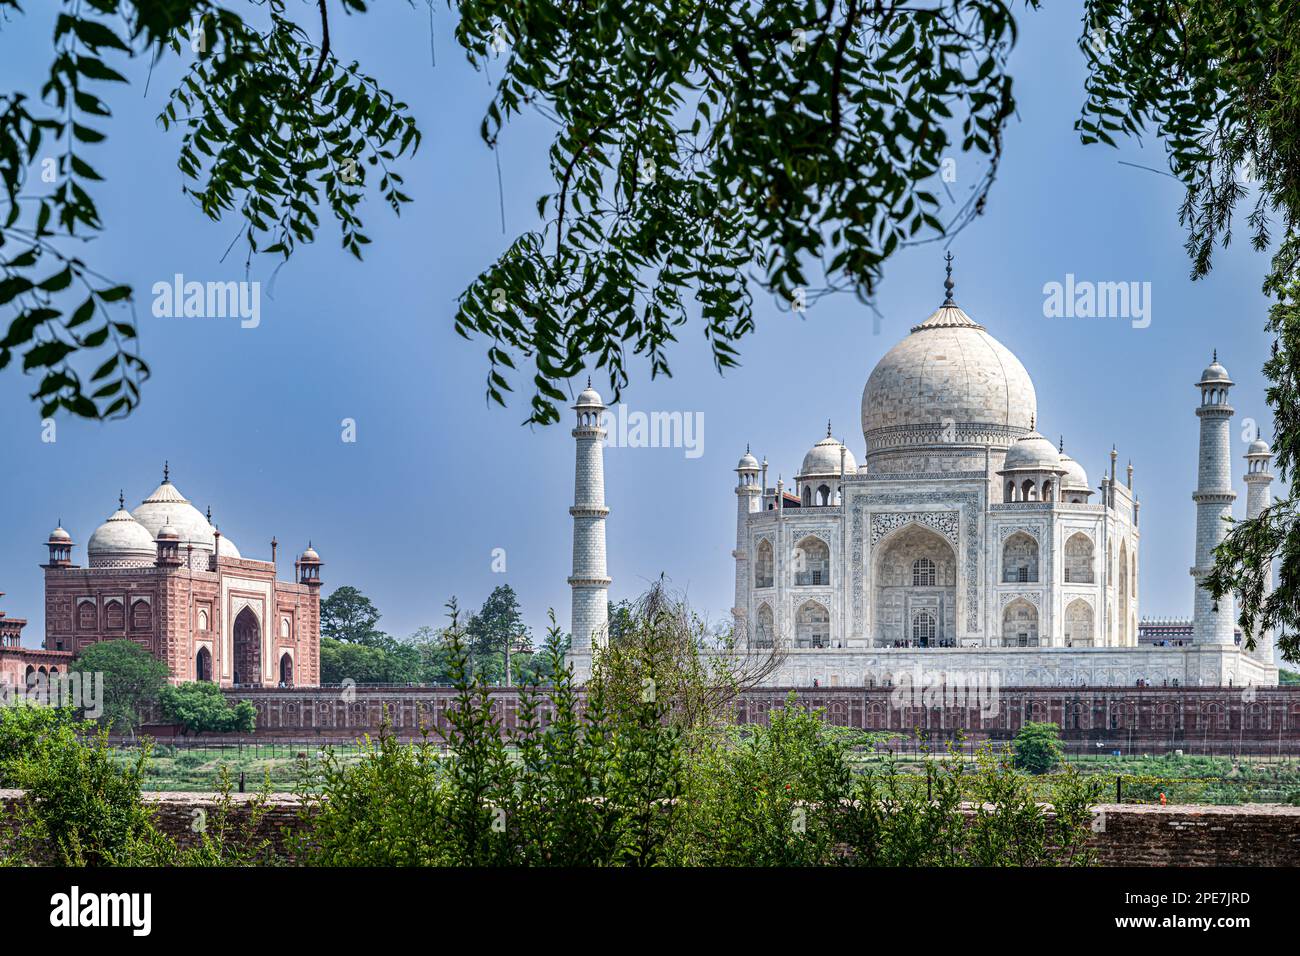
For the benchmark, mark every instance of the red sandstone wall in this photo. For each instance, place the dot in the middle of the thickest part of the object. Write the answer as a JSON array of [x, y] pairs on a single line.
[[1155, 719]]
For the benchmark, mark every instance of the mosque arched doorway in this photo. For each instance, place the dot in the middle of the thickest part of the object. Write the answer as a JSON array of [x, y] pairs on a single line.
[[203, 665], [812, 626], [765, 632], [1020, 624], [248, 648], [914, 573], [812, 562], [286, 670], [1078, 624]]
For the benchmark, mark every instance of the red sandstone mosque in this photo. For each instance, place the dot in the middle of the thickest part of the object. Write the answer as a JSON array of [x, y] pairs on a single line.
[[164, 576]]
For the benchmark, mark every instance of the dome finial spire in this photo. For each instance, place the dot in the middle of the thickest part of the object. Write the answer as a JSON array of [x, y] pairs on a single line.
[[121, 500], [948, 283], [1060, 448], [1033, 420], [828, 428], [167, 472]]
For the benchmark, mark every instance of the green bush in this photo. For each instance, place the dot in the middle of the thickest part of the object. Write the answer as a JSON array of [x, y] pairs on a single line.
[[595, 788], [200, 707], [188, 760], [22, 727], [1037, 747], [83, 805]]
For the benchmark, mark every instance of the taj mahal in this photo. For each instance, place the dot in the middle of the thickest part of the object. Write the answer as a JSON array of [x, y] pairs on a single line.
[[965, 540]]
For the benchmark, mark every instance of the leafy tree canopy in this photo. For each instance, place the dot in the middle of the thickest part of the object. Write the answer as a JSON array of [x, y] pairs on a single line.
[[348, 615], [132, 680], [272, 126], [200, 707]]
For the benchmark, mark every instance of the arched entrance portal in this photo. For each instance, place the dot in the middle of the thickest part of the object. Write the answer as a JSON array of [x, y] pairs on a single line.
[[286, 671], [203, 665], [914, 570], [248, 648]]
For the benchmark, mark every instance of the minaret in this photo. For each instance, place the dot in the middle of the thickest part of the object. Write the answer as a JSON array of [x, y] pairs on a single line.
[[590, 583], [1212, 621], [748, 501], [1259, 495]]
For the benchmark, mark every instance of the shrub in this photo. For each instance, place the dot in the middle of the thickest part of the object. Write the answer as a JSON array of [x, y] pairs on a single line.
[[200, 707], [623, 775], [595, 787], [1037, 747], [22, 727], [83, 805]]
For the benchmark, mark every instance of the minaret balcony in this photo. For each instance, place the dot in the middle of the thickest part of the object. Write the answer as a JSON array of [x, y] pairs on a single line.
[[590, 582]]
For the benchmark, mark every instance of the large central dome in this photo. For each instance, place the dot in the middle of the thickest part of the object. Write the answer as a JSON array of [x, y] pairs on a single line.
[[949, 382]]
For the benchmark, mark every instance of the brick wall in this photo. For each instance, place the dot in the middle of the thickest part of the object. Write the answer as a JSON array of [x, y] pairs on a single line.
[[1126, 835], [1152, 719]]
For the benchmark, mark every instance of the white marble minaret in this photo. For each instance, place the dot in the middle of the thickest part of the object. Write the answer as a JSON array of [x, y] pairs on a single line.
[[1259, 495], [748, 500], [1212, 622], [589, 581]]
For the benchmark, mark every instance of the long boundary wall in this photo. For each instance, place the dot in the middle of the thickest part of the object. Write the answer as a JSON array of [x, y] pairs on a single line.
[[1218, 719]]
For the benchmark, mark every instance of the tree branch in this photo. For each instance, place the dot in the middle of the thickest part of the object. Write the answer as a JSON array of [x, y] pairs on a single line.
[[324, 45]]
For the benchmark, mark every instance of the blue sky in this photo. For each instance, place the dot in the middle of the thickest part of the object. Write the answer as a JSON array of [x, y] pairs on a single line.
[[410, 513]]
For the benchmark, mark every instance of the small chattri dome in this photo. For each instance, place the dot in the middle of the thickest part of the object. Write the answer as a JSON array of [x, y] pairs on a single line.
[[1032, 452], [823, 458], [168, 533], [589, 397], [747, 462], [59, 536], [1215, 372], [310, 556], [1259, 447]]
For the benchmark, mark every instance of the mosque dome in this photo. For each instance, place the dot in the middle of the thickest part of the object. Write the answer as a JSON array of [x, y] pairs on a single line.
[[167, 506], [226, 548], [121, 541], [948, 381], [1032, 452], [824, 458], [1075, 476]]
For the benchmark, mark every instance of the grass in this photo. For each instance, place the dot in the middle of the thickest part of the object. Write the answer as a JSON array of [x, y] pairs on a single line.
[[1220, 781], [199, 768], [1182, 779]]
